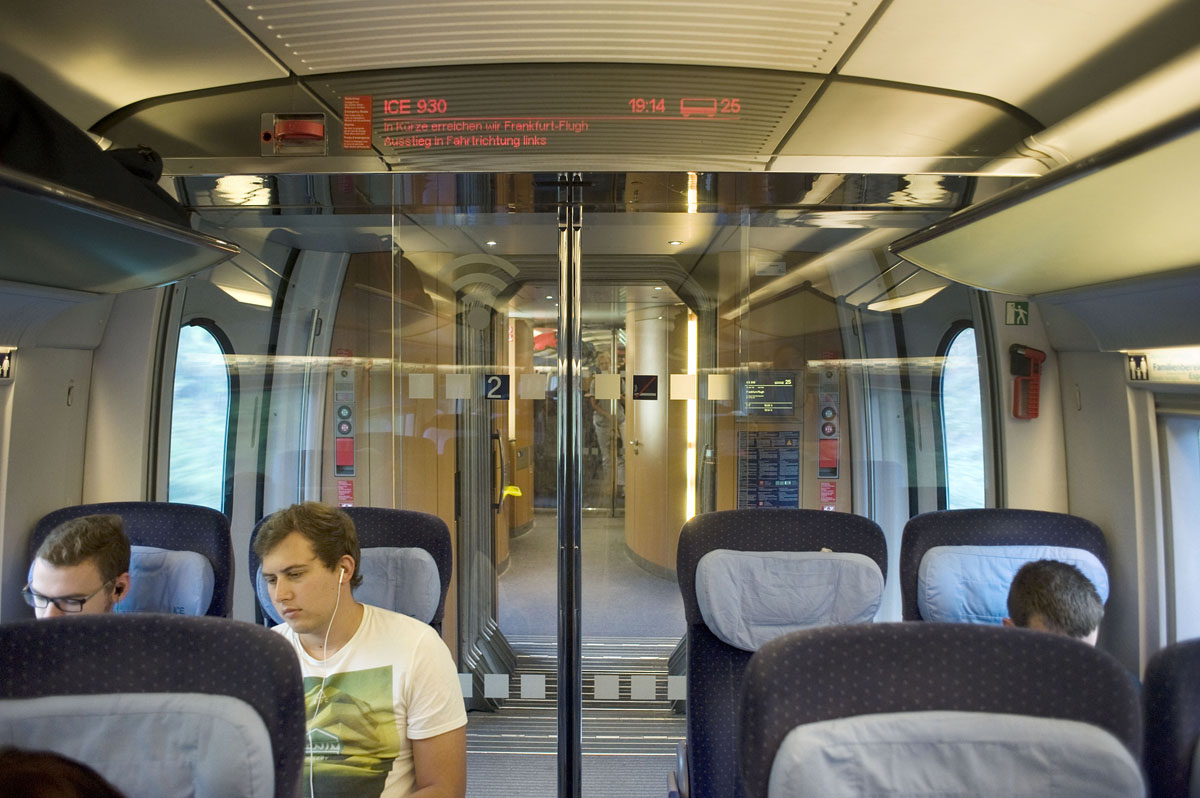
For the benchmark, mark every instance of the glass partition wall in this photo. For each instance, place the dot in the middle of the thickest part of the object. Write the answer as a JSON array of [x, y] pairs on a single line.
[[734, 340]]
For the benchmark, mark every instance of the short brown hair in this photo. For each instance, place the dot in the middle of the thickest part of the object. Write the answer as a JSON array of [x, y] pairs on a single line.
[[328, 529], [100, 538], [1065, 599], [46, 774]]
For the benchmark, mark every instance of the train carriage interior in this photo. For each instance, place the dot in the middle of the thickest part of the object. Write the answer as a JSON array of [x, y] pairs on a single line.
[[569, 276]]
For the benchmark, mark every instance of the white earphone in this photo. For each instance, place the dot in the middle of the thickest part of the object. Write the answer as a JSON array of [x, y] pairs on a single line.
[[341, 573]]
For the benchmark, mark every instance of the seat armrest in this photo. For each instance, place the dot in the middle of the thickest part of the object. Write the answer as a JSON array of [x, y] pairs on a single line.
[[677, 779]]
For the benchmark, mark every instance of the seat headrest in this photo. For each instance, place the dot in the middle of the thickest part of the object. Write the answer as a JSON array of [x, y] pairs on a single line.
[[401, 579], [183, 744], [164, 580], [969, 584], [941, 753], [748, 598]]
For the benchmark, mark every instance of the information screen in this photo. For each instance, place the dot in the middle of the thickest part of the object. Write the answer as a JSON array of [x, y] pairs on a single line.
[[769, 394], [431, 115]]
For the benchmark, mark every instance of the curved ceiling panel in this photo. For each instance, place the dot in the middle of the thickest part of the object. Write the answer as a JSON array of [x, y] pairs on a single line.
[[317, 36], [855, 118], [108, 55], [1048, 59]]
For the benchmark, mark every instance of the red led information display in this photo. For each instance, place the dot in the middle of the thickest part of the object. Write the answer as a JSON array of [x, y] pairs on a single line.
[[433, 123], [581, 115]]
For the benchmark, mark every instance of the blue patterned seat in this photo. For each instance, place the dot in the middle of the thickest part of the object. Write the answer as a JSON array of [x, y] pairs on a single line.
[[715, 667], [1028, 534], [801, 688], [1171, 698], [160, 705], [389, 539], [164, 525]]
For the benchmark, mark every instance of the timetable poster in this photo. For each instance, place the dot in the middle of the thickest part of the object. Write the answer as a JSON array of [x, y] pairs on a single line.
[[768, 468]]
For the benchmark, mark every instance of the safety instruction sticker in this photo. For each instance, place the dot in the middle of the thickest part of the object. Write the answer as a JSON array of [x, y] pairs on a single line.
[[356, 122]]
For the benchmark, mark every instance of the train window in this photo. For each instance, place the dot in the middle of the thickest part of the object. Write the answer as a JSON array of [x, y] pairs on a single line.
[[199, 419], [962, 422], [1179, 450]]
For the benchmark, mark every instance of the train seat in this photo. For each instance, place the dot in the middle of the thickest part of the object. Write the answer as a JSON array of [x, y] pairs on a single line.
[[159, 705], [746, 577], [957, 565], [406, 563], [181, 559], [1171, 697], [937, 709]]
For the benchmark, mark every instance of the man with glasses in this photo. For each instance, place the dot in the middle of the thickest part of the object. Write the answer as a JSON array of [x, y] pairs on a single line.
[[81, 567]]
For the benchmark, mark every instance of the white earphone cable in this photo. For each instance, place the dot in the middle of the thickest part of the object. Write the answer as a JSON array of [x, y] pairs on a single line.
[[321, 692]]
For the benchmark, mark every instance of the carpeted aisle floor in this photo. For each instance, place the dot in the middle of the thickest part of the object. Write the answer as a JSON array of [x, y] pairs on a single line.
[[620, 599], [603, 776]]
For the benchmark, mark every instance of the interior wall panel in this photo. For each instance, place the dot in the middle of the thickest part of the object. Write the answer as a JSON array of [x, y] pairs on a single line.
[[44, 445], [1111, 447], [117, 458], [1035, 463]]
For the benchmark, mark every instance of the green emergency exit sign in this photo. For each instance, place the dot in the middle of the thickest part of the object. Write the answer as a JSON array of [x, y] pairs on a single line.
[[1016, 314]]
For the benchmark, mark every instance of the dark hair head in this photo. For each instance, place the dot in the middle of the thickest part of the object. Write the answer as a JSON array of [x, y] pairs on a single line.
[[100, 538], [1065, 599], [42, 774], [329, 530]]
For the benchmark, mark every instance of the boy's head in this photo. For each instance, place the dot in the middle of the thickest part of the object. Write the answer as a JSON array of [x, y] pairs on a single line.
[[328, 529], [1055, 596]]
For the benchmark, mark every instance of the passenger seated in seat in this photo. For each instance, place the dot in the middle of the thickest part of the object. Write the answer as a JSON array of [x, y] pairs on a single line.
[[384, 704], [81, 567], [1054, 596]]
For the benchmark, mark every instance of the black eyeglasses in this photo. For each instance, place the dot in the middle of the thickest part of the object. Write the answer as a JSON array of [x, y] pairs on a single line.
[[38, 601]]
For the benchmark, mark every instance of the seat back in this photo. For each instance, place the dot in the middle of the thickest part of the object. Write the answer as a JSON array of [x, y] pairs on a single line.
[[1171, 698], [769, 562], [938, 709], [957, 565], [166, 575], [160, 705], [406, 563]]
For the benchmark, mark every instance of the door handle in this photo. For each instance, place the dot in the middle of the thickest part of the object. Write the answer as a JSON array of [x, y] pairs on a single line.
[[498, 449], [635, 445]]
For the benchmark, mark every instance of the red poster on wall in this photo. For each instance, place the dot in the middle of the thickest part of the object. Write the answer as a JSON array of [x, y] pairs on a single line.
[[827, 458], [345, 490]]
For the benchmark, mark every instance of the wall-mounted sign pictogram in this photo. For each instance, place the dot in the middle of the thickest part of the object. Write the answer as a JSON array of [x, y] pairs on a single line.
[[645, 386]]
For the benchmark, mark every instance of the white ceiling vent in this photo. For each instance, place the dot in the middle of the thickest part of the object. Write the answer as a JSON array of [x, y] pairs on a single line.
[[320, 36]]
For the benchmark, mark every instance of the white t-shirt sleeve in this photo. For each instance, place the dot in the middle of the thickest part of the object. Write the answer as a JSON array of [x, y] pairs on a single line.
[[435, 701]]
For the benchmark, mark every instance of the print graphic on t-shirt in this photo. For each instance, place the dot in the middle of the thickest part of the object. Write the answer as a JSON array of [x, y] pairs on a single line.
[[353, 739]]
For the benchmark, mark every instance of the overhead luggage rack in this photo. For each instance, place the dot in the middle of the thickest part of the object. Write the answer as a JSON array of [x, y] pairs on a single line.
[[54, 236]]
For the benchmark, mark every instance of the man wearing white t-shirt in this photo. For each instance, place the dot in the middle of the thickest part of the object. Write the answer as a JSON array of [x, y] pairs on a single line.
[[385, 709]]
